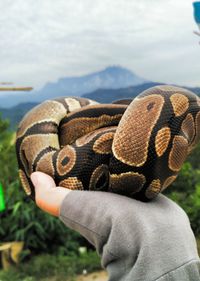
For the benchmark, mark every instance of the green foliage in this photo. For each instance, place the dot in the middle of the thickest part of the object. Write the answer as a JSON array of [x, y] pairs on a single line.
[[22, 220], [194, 157], [191, 204], [16, 113], [187, 179], [7, 154], [46, 266], [186, 192]]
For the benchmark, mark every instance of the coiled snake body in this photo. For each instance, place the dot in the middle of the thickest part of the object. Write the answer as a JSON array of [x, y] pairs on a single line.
[[135, 150]]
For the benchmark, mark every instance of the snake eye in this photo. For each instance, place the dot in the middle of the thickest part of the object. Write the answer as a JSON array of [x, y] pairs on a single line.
[[100, 178]]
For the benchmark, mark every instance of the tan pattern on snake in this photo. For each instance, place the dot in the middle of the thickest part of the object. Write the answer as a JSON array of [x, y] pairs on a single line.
[[135, 148]]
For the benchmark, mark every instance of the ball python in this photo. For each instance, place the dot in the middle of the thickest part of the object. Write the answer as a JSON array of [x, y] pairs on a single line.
[[133, 148]]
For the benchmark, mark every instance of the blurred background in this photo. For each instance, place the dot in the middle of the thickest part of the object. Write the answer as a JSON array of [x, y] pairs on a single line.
[[103, 50]]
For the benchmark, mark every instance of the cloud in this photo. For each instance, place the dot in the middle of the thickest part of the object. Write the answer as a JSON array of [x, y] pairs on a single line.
[[44, 40]]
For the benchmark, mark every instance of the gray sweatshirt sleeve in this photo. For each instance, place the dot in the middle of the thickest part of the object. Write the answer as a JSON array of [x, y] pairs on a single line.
[[136, 240]]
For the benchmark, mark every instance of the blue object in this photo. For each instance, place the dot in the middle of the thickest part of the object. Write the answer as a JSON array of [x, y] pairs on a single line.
[[196, 6]]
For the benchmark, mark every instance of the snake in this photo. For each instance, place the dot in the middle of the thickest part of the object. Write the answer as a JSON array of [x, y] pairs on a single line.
[[132, 147]]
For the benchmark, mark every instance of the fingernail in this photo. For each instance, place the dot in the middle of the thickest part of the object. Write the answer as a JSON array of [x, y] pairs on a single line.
[[34, 179]]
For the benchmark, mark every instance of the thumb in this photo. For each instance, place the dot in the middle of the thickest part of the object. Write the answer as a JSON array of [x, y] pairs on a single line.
[[48, 197], [42, 182]]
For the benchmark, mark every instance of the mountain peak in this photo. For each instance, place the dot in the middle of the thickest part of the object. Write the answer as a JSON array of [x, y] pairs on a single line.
[[114, 68], [116, 76], [119, 70], [112, 77]]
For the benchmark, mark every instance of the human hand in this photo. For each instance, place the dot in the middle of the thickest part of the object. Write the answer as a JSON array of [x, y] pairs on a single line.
[[48, 197]]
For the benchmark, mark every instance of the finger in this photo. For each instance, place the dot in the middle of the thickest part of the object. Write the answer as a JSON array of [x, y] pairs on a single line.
[[48, 197], [42, 181]]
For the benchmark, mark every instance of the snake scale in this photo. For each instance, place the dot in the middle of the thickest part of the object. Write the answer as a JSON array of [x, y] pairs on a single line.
[[131, 148]]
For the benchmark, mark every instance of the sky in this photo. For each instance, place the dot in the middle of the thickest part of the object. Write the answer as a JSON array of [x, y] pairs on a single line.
[[42, 41]]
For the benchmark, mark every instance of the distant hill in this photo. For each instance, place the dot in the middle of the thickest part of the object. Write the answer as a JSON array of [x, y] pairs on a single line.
[[107, 96], [113, 77], [16, 113]]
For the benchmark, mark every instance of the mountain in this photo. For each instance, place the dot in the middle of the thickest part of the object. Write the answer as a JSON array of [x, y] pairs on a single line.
[[113, 77], [102, 95], [107, 95], [110, 78], [15, 113]]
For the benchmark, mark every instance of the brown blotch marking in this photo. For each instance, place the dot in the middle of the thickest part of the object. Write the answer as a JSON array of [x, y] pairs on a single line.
[[153, 189], [127, 183], [33, 144], [72, 183], [188, 127], [78, 127], [45, 164], [66, 160], [52, 111], [180, 103], [197, 131], [103, 144], [90, 136], [178, 153], [168, 181], [162, 140], [131, 141], [84, 102], [97, 174], [48, 128], [25, 183]]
